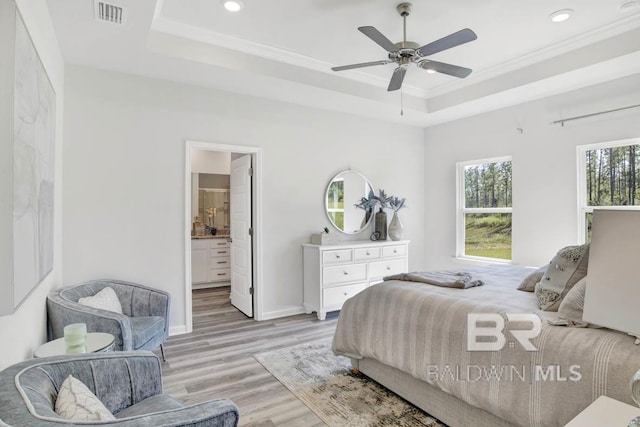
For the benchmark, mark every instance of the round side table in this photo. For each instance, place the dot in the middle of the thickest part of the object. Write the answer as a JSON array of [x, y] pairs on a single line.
[[96, 342]]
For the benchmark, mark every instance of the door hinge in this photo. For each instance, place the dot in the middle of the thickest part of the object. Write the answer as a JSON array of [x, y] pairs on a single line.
[[250, 171], [250, 231], [251, 290]]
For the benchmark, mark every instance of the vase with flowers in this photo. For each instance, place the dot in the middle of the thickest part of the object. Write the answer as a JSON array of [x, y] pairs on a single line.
[[369, 204], [396, 229]]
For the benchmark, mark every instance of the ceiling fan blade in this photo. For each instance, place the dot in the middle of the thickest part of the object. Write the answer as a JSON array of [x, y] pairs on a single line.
[[396, 79], [450, 69], [379, 38], [361, 65], [452, 40]]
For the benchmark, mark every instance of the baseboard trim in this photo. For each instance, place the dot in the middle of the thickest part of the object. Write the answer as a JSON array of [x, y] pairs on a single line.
[[291, 311], [177, 330]]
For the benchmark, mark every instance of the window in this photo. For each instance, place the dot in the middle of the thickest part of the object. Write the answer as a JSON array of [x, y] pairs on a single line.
[[607, 177], [484, 209], [335, 202]]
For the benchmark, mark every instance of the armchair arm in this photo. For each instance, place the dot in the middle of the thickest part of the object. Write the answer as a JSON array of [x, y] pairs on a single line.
[[62, 312], [218, 413]]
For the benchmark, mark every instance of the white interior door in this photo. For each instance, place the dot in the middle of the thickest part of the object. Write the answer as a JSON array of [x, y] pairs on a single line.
[[241, 240]]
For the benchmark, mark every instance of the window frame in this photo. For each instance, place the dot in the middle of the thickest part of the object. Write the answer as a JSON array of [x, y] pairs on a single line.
[[462, 210], [583, 207]]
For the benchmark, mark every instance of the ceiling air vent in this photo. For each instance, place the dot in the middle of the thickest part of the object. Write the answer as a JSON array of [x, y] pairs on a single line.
[[111, 13]]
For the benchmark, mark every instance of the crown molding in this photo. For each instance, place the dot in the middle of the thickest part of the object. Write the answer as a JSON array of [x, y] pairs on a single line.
[[168, 26]]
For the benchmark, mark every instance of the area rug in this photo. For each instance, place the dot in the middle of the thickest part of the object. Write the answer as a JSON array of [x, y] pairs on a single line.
[[325, 383]]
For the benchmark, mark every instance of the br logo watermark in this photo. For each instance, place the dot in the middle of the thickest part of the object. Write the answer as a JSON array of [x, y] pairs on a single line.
[[485, 331]]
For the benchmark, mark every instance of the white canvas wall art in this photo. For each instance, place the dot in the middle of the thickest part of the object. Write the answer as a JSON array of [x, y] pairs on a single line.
[[33, 166]]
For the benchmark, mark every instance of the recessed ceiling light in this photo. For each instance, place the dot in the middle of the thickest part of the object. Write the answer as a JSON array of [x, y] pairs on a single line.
[[233, 5], [628, 5], [561, 15]]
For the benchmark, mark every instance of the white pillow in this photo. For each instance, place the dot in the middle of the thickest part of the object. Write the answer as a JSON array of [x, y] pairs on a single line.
[[77, 403], [106, 299]]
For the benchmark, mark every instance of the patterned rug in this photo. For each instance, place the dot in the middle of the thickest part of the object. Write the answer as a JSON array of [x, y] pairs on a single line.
[[325, 384]]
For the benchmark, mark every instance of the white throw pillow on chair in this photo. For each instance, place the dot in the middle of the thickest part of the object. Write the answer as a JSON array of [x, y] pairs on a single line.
[[106, 299], [77, 403]]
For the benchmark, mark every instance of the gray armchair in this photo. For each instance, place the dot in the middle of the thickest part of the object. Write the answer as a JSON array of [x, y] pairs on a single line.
[[144, 324], [129, 384]]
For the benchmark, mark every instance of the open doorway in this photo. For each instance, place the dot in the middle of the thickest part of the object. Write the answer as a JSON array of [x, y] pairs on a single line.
[[222, 230]]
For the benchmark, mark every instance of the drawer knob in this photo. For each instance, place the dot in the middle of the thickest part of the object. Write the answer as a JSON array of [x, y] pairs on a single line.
[[346, 273], [337, 256], [345, 294], [368, 253], [395, 251], [388, 267]]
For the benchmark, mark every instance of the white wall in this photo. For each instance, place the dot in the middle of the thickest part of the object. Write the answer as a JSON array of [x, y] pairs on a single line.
[[124, 190], [544, 166], [23, 331]]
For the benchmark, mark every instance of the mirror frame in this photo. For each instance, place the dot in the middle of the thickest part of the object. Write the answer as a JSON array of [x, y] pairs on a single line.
[[326, 196]]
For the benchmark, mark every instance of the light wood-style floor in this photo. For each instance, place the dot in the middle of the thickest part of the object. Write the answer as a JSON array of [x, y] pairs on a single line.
[[216, 360]]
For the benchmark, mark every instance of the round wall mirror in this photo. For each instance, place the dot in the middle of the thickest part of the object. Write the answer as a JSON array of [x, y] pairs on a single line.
[[344, 191]]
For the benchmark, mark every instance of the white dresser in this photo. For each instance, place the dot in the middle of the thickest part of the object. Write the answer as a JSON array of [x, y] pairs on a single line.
[[334, 273], [210, 262]]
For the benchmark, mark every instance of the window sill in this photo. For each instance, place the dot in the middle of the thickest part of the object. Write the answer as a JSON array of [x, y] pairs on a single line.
[[482, 261]]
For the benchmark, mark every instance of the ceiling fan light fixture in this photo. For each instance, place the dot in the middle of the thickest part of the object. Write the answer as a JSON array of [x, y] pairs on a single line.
[[561, 15], [430, 70], [233, 5]]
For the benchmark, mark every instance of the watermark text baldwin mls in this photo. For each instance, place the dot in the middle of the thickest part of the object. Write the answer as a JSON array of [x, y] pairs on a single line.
[[486, 333], [504, 373], [491, 325]]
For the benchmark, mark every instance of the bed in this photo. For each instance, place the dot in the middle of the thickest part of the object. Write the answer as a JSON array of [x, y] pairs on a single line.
[[412, 338]]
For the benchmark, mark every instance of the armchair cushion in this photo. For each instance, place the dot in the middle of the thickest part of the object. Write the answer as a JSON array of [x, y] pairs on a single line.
[[158, 403]]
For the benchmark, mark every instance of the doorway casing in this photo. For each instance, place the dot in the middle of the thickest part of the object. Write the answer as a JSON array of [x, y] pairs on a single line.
[[256, 200]]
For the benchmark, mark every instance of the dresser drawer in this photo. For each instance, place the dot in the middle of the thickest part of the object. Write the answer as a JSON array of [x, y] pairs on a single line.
[[336, 296], [220, 252], [337, 274], [220, 274], [219, 243], [366, 253], [222, 262], [386, 268], [337, 256], [394, 251]]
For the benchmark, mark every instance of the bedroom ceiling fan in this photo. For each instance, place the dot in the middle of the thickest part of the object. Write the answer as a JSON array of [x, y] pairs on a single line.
[[406, 52]]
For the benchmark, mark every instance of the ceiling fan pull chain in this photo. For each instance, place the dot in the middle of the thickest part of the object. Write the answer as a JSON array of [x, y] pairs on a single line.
[[401, 103]]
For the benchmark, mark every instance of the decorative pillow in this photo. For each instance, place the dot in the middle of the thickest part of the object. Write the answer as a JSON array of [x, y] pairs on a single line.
[[106, 299], [564, 271], [529, 283], [572, 306], [77, 403]]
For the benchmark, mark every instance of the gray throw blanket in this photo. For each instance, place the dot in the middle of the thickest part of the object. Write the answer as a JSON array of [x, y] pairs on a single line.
[[446, 279]]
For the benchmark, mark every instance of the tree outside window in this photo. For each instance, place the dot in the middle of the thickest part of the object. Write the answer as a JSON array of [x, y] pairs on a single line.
[[607, 179], [485, 208]]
